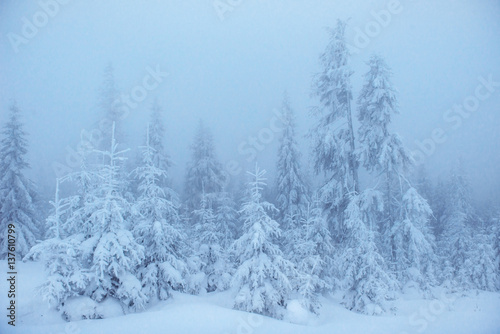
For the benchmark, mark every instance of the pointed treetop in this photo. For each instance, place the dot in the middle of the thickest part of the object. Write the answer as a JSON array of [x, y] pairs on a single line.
[[257, 183]]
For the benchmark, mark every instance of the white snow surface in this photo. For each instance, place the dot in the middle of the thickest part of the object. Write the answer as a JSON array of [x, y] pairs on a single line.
[[471, 312]]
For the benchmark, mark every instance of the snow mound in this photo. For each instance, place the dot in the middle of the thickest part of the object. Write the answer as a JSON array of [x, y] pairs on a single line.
[[297, 314]]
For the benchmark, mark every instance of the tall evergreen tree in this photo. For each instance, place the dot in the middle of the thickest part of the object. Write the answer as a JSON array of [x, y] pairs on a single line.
[[313, 253], [466, 242], [99, 257], [438, 206], [333, 135], [414, 247], [262, 274], [363, 270], [164, 268], [484, 271], [210, 233], [424, 185], [110, 253], [226, 218], [16, 190], [456, 240], [381, 151], [496, 246], [59, 255], [359, 263], [292, 193], [204, 171], [161, 159]]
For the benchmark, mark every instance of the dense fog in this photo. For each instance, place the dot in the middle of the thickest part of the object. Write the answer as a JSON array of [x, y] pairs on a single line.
[[288, 166]]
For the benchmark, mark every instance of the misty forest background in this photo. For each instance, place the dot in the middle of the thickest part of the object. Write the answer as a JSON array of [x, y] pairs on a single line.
[[366, 221]]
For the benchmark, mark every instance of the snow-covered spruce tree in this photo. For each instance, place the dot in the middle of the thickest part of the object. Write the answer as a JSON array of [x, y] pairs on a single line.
[[86, 181], [204, 171], [292, 193], [109, 252], [364, 276], [213, 257], [435, 197], [16, 191], [156, 217], [61, 207], [414, 248], [484, 271], [380, 151], [157, 137], [461, 247], [333, 135], [496, 246], [226, 217], [423, 184], [262, 275], [438, 206], [313, 253], [456, 238], [60, 256], [359, 262], [161, 159]]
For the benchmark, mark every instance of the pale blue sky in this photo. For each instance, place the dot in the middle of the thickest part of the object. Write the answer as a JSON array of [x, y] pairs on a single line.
[[232, 72]]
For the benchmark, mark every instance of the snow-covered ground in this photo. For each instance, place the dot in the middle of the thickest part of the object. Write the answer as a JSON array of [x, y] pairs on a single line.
[[476, 312]]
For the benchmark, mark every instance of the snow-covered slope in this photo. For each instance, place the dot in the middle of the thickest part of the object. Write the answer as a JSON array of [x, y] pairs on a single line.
[[474, 313]]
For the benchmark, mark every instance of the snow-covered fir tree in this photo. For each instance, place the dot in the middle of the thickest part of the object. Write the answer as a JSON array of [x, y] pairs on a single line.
[[210, 234], [156, 217], [456, 237], [226, 218], [313, 252], [204, 171], [414, 246], [496, 245], [457, 243], [161, 159], [381, 151], [438, 205], [333, 135], [292, 193], [484, 271], [262, 275], [423, 184], [60, 256], [85, 182], [109, 252], [16, 190], [55, 222], [364, 274], [359, 263]]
